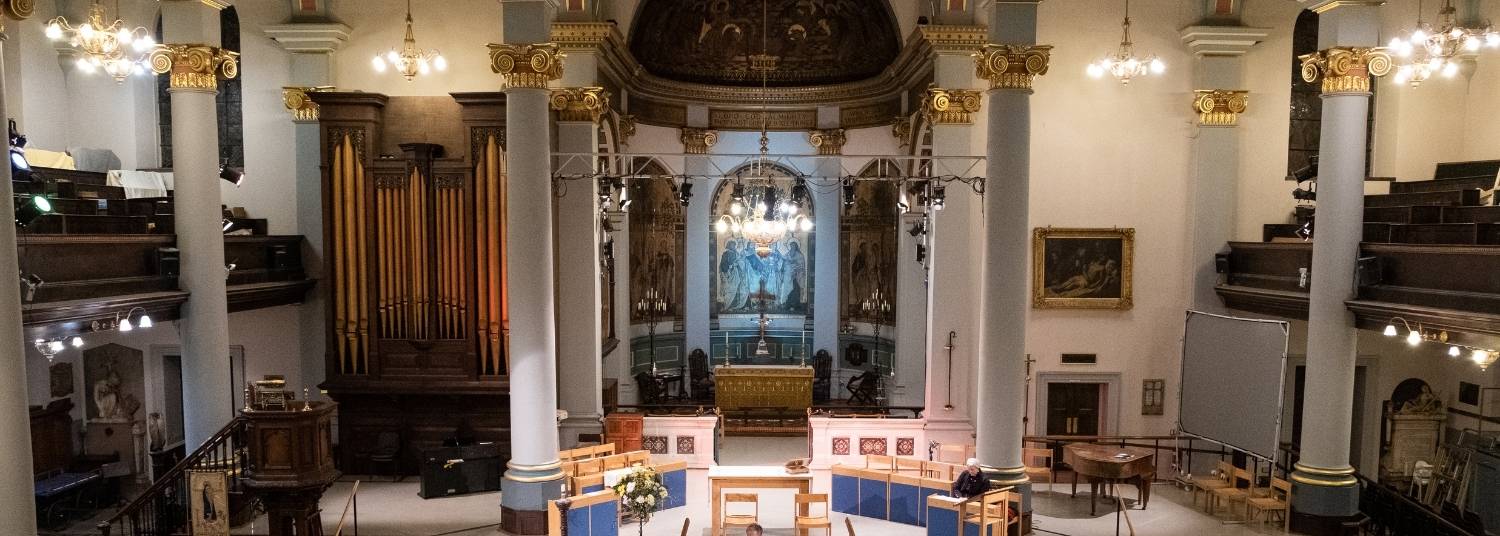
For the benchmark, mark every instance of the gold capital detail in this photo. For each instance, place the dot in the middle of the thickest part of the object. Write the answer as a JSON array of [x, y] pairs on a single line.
[[698, 140], [1219, 107], [526, 66], [297, 102], [950, 106], [901, 130], [827, 141], [580, 103], [626, 124], [1012, 66], [194, 67], [1345, 70], [18, 9]]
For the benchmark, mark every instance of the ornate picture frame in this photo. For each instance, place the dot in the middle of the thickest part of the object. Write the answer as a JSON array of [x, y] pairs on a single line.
[[1082, 268], [209, 502]]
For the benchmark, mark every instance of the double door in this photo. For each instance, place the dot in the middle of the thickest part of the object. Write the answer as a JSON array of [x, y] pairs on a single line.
[[1073, 408]]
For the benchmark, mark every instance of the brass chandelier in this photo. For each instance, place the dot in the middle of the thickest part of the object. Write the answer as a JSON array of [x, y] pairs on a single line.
[[115, 47], [410, 60], [1124, 65], [1426, 51]]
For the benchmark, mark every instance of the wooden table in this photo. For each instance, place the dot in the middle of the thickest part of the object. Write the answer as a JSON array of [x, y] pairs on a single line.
[[1106, 464], [762, 386], [721, 477]]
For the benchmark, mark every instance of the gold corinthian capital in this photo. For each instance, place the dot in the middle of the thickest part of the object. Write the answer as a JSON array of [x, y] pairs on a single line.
[[1345, 70], [1220, 107], [194, 67], [526, 66], [1012, 66], [580, 103], [950, 106]]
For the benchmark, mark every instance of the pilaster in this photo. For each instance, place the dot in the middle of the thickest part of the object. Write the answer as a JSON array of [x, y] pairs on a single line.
[[579, 339]]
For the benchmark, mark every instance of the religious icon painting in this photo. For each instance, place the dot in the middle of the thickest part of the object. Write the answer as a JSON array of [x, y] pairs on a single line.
[[1082, 268], [208, 495]]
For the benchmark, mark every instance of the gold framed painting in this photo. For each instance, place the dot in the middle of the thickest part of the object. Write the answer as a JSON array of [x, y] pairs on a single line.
[[1081, 268], [209, 502]]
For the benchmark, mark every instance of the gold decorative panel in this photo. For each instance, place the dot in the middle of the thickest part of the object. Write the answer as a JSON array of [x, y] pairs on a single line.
[[741, 387]]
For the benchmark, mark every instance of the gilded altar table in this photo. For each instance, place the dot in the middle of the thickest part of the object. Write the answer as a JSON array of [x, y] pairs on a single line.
[[762, 386]]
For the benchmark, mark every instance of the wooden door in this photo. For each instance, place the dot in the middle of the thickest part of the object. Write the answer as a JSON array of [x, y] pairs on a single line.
[[1073, 408]]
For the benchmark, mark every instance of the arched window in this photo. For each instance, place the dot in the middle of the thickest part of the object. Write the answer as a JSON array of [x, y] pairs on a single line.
[[229, 103], [1307, 105]]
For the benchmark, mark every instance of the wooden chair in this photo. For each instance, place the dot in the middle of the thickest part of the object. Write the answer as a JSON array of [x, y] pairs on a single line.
[[1038, 463], [589, 467], [803, 522], [732, 519], [1276, 502], [616, 461], [1208, 483], [910, 466], [951, 453], [992, 510], [685, 523], [1233, 493], [639, 457], [877, 462], [849, 525]]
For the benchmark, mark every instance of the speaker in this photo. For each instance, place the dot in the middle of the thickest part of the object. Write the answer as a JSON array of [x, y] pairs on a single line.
[[168, 262]]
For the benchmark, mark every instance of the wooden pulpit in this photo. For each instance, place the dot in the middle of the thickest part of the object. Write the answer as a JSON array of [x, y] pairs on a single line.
[[291, 463]]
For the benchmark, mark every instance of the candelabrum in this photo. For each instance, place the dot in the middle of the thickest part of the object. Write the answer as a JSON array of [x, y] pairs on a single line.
[[653, 305], [114, 47], [1124, 65], [410, 61], [1426, 50]]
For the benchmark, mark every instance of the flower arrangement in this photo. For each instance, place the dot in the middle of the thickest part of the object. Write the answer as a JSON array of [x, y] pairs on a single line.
[[640, 492]]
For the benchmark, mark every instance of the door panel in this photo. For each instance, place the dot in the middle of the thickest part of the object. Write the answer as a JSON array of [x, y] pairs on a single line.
[[1073, 408]]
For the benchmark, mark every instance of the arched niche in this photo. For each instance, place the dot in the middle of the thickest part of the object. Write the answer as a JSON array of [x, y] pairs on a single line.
[[748, 278], [656, 243]]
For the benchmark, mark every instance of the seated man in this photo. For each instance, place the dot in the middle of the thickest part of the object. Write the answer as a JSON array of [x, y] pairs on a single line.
[[972, 481], [754, 530]]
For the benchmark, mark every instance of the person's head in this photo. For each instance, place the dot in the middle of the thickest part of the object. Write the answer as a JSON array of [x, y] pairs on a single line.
[[972, 466], [754, 530]]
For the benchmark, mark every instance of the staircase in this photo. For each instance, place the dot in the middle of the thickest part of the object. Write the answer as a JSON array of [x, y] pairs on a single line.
[[162, 510]]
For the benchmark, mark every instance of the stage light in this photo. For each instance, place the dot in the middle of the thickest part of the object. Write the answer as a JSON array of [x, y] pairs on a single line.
[[232, 175], [1390, 330], [1453, 351], [901, 203], [848, 193], [1413, 338], [685, 192], [1307, 173], [20, 169], [625, 199], [936, 198], [29, 208], [737, 194], [77, 341]]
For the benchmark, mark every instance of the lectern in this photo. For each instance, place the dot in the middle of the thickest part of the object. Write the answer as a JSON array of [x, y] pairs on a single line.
[[291, 463]]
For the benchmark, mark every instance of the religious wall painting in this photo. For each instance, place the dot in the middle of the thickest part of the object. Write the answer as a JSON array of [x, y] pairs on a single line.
[[868, 251], [1082, 268], [114, 381], [749, 277], [208, 497], [656, 246]]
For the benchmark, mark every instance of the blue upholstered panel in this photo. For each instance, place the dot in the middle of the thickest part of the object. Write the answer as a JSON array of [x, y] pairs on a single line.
[[845, 494], [972, 529], [872, 498], [941, 522], [904, 506], [676, 483], [591, 489], [922, 500], [605, 519], [578, 520]]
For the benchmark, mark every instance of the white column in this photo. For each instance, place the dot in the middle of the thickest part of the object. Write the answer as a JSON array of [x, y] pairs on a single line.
[[1325, 490], [696, 298], [17, 501], [532, 476], [204, 327], [1004, 297], [578, 290], [827, 265], [952, 240]]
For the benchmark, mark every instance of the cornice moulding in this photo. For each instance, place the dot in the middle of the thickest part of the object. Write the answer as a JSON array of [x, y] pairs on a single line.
[[1222, 40], [323, 37]]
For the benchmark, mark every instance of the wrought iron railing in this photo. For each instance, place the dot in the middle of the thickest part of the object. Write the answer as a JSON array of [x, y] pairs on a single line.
[[164, 507]]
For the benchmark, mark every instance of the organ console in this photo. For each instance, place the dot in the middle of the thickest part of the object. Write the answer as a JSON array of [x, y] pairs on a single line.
[[1104, 465]]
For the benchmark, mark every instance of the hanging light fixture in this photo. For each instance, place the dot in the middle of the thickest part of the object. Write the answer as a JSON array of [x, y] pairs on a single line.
[[759, 215], [1124, 65], [410, 61], [1484, 357], [1425, 50], [113, 47]]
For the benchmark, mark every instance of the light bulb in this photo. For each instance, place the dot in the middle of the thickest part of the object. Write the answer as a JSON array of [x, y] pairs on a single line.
[[440, 62], [54, 31], [1413, 338], [123, 36], [1131, 64], [1390, 330], [1480, 356], [55, 346], [87, 31], [736, 208], [378, 63], [125, 325], [1453, 351], [392, 57], [1450, 69], [1418, 36], [720, 226], [791, 210], [760, 207], [1435, 63], [1455, 33], [807, 225], [1158, 67], [422, 67], [84, 65], [1395, 43], [77, 341], [1492, 39], [1471, 43], [145, 321], [142, 44]]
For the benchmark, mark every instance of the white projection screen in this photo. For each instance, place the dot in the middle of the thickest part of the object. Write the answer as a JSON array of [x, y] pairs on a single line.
[[1232, 372]]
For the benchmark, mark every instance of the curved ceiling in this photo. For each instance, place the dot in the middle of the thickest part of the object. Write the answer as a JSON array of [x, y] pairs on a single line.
[[814, 42]]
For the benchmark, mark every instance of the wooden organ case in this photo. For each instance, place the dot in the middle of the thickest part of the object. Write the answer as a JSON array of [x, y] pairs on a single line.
[[413, 222]]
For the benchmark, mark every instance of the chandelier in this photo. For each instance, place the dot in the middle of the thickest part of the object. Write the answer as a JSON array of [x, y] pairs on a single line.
[[761, 217], [1426, 51], [115, 48], [410, 60], [1124, 65]]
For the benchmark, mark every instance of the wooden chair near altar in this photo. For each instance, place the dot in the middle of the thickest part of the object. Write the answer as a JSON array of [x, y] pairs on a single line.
[[1275, 503], [863, 388], [803, 522], [738, 519]]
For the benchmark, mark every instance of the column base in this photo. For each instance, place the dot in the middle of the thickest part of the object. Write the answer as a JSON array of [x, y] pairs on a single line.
[[523, 500], [1014, 477], [1324, 501]]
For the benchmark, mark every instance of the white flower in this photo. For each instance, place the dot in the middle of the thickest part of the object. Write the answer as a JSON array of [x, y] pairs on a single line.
[[630, 488], [649, 499]]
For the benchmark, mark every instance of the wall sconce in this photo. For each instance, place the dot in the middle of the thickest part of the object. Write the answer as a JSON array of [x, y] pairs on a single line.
[[1484, 357], [122, 322]]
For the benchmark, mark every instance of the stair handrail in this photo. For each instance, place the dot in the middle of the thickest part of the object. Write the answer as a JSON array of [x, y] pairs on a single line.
[[170, 478], [353, 500]]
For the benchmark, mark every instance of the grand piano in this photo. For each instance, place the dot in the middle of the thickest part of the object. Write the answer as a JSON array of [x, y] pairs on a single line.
[[1105, 465]]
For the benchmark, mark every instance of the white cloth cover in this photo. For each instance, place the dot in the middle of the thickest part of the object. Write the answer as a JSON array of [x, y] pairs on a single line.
[[140, 184], [48, 159]]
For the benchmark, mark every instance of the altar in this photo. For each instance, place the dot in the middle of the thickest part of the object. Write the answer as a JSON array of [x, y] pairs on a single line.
[[763, 386]]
